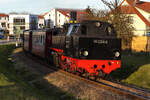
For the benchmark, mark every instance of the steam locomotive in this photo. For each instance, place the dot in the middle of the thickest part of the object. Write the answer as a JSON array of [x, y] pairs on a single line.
[[89, 48]]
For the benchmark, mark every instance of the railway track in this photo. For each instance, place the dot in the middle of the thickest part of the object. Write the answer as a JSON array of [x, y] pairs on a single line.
[[133, 93]]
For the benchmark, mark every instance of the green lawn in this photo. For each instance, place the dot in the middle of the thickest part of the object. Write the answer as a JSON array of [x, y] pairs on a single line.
[[16, 87], [135, 69], [141, 77]]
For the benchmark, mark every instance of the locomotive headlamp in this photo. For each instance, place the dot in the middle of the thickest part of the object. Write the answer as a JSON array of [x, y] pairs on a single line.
[[117, 54], [98, 24], [75, 21], [109, 30], [85, 53]]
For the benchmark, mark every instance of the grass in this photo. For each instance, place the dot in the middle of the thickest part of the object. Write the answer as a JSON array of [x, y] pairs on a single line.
[[11, 85], [4, 81], [135, 69], [140, 77], [17, 87]]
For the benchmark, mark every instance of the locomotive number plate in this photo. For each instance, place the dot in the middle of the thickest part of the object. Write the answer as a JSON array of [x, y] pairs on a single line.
[[100, 41]]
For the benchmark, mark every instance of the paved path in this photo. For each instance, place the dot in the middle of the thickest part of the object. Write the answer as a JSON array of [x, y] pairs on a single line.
[[12, 41]]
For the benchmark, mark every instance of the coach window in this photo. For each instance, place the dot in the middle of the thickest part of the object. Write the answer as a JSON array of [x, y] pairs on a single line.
[[83, 30], [41, 39]]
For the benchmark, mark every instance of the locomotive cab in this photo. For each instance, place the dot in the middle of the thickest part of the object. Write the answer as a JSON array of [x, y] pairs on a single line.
[[91, 28]]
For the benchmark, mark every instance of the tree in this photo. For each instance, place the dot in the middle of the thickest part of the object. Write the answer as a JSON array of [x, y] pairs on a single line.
[[91, 14], [122, 22]]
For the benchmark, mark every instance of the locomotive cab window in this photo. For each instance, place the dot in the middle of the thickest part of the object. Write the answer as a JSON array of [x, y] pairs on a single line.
[[109, 30], [73, 29], [83, 30]]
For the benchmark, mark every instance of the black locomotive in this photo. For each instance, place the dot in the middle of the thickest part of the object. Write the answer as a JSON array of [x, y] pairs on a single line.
[[90, 47]]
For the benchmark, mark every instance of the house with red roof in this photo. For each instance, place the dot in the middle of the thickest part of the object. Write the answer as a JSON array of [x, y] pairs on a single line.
[[40, 21], [139, 12], [58, 16], [4, 21]]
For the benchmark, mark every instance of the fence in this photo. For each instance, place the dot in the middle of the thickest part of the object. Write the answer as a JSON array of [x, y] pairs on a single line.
[[10, 41]]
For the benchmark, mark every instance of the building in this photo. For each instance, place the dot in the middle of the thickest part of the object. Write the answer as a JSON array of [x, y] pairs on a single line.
[[20, 22], [4, 18], [139, 12], [15, 23], [40, 22], [57, 17]]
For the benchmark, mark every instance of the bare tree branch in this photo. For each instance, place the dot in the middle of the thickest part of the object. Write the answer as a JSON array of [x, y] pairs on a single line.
[[121, 21], [111, 4]]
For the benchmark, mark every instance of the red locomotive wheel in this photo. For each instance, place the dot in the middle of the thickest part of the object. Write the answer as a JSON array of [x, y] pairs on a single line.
[[101, 74], [87, 75]]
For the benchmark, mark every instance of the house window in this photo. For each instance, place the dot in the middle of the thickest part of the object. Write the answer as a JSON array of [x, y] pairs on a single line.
[[40, 25], [33, 24], [3, 24], [22, 28], [131, 19], [19, 21]]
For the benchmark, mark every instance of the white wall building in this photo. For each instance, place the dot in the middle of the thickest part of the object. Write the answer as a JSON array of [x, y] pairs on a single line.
[[57, 17], [22, 22], [140, 14], [40, 22], [4, 21]]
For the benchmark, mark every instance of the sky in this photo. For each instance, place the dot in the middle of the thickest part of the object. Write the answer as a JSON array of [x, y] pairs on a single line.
[[42, 6]]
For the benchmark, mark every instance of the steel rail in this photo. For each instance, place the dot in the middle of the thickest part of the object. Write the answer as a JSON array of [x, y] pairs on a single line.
[[129, 92]]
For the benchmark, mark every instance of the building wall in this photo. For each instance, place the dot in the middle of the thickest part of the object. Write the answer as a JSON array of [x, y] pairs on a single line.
[[40, 23], [61, 19], [138, 24], [139, 44], [28, 21], [125, 3], [4, 19], [56, 18], [11, 22], [33, 22], [144, 13], [52, 16]]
